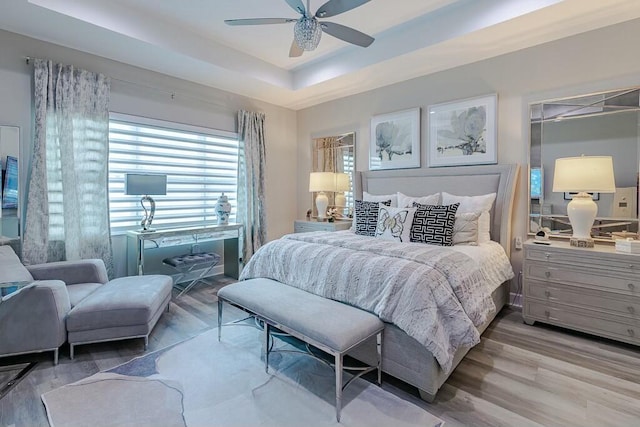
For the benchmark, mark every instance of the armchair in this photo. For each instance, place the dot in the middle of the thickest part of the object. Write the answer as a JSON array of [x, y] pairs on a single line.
[[33, 319]]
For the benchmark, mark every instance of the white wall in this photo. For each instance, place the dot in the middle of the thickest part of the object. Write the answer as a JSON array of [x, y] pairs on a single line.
[[594, 61], [193, 104]]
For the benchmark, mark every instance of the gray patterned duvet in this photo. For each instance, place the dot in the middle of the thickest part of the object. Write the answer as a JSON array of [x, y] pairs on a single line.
[[437, 295]]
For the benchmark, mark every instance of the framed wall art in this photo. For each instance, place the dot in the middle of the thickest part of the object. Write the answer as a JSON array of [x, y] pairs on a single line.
[[395, 140], [463, 132]]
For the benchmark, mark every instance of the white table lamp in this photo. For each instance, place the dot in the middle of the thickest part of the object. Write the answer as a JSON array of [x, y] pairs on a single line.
[[342, 184], [584, 175], [320, 182], [146, 185]]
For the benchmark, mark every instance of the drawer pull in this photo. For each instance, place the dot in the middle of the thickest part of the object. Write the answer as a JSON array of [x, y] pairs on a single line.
[[547, 255], [631, 266], [631, 286], [547, 313], [631, 332], [547, 274], [631, 309], [547, 294]]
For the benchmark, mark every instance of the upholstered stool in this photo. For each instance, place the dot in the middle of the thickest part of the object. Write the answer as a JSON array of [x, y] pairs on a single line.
[[128, 307], [186, 263]]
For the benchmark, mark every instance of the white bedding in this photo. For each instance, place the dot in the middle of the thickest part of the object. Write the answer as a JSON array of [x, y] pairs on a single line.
[[437, 295]]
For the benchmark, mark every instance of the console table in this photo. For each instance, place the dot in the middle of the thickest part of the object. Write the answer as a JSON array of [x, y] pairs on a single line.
[[232, 234]]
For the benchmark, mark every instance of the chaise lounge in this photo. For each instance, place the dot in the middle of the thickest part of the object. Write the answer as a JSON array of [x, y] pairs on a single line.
[[75, 301]]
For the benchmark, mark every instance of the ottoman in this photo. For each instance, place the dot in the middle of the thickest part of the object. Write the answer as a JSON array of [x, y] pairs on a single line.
[[123, 308]]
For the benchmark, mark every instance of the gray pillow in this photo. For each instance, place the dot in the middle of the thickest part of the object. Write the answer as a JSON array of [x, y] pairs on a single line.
[[11, 269]]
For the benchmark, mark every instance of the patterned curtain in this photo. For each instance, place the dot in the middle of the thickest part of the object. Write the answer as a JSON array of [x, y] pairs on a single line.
[[251, 187], [328, 151], [68, 203]]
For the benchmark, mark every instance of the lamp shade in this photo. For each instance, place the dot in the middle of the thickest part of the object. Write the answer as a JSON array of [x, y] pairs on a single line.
[[138, 184], [585, 173], [322, 181], [343, 182]]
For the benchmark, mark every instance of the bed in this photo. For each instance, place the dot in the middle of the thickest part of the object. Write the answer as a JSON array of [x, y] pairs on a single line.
[[408, 353]]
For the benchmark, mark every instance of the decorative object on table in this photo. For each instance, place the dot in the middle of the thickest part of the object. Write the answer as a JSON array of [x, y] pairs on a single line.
[[136, 184], [543, 233], [463, 132], [321, 182], [628, 245], [583, 175], [395, 140], [343, 183], [332, 214], [223, 209]]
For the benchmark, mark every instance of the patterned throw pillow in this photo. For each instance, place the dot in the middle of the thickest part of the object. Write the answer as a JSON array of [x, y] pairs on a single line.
[[366, 217], [395, 223], [434, 224]]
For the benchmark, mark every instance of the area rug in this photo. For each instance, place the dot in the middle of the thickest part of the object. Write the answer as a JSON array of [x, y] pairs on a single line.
[[203, 382]]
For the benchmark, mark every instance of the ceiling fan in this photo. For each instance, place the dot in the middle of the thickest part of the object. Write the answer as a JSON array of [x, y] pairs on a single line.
[[308, 30]]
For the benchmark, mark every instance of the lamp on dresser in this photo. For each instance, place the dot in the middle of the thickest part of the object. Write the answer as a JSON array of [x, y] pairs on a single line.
[[146, 185], [342, 184], [583, 175], [320, 182]]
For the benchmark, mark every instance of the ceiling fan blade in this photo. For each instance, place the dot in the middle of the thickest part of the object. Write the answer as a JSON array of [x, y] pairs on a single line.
[[259, 21], [295, 50], [347, 34], [296, 5], [336, 7]]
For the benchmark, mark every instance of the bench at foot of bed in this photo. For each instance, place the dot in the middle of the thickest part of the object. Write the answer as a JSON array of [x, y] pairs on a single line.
[[326, 324]]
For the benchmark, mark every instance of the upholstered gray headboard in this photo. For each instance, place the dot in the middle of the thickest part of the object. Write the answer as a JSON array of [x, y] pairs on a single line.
[[461, 181]]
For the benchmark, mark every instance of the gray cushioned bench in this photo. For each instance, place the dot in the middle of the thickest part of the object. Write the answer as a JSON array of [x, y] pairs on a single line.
[[123, 308], [328, 325]]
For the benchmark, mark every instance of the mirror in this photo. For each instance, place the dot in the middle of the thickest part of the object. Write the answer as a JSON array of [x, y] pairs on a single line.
[[336, 154], [9, 158], [601, 124]]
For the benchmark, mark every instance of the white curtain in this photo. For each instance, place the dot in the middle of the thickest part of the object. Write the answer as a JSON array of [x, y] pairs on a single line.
[[68, 205], [251, 186]]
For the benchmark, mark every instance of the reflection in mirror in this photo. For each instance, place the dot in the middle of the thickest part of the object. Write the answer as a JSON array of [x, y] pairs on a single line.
[[602, 124], [9, 158], [336, 154]]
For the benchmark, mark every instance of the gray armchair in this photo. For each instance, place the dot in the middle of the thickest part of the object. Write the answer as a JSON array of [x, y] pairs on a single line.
[[33, 319]]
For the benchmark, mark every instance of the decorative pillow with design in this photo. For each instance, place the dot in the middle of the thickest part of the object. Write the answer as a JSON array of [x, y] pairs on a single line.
[[405, 201], [434, 224], [393, 198], [480, 204], [366, 217], [465, 229], [395, 223]]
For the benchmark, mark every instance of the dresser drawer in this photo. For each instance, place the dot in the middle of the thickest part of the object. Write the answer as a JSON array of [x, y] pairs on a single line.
[[585, 275], [624, 263], [623, 329], [582, 298], [307, 226]]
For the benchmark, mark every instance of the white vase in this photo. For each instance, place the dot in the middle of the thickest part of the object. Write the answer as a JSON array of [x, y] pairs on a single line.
[[223, 209]]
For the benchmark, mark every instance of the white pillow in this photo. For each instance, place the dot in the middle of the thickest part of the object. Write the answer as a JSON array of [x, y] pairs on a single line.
[[367, 197], [480, 204], [405, 201], [395, 223], [465, 229]]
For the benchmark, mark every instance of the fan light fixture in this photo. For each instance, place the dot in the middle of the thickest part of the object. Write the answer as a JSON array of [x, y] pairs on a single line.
[[307, 29], [307, 33]]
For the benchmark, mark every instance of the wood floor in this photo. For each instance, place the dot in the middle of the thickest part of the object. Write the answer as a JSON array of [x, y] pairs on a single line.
[[518, 376]]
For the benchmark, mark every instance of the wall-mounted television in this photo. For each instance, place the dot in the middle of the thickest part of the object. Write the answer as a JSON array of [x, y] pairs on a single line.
[[10, 184]]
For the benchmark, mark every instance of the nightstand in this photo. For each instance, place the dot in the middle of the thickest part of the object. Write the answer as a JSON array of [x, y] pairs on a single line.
[[593, 290], [301, 226]]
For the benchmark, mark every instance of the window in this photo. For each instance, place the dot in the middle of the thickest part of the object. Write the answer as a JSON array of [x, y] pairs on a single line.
[[200, 165]]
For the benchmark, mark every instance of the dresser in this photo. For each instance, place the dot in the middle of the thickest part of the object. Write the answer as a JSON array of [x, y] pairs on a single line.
[[594, 290], [302, 226]]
